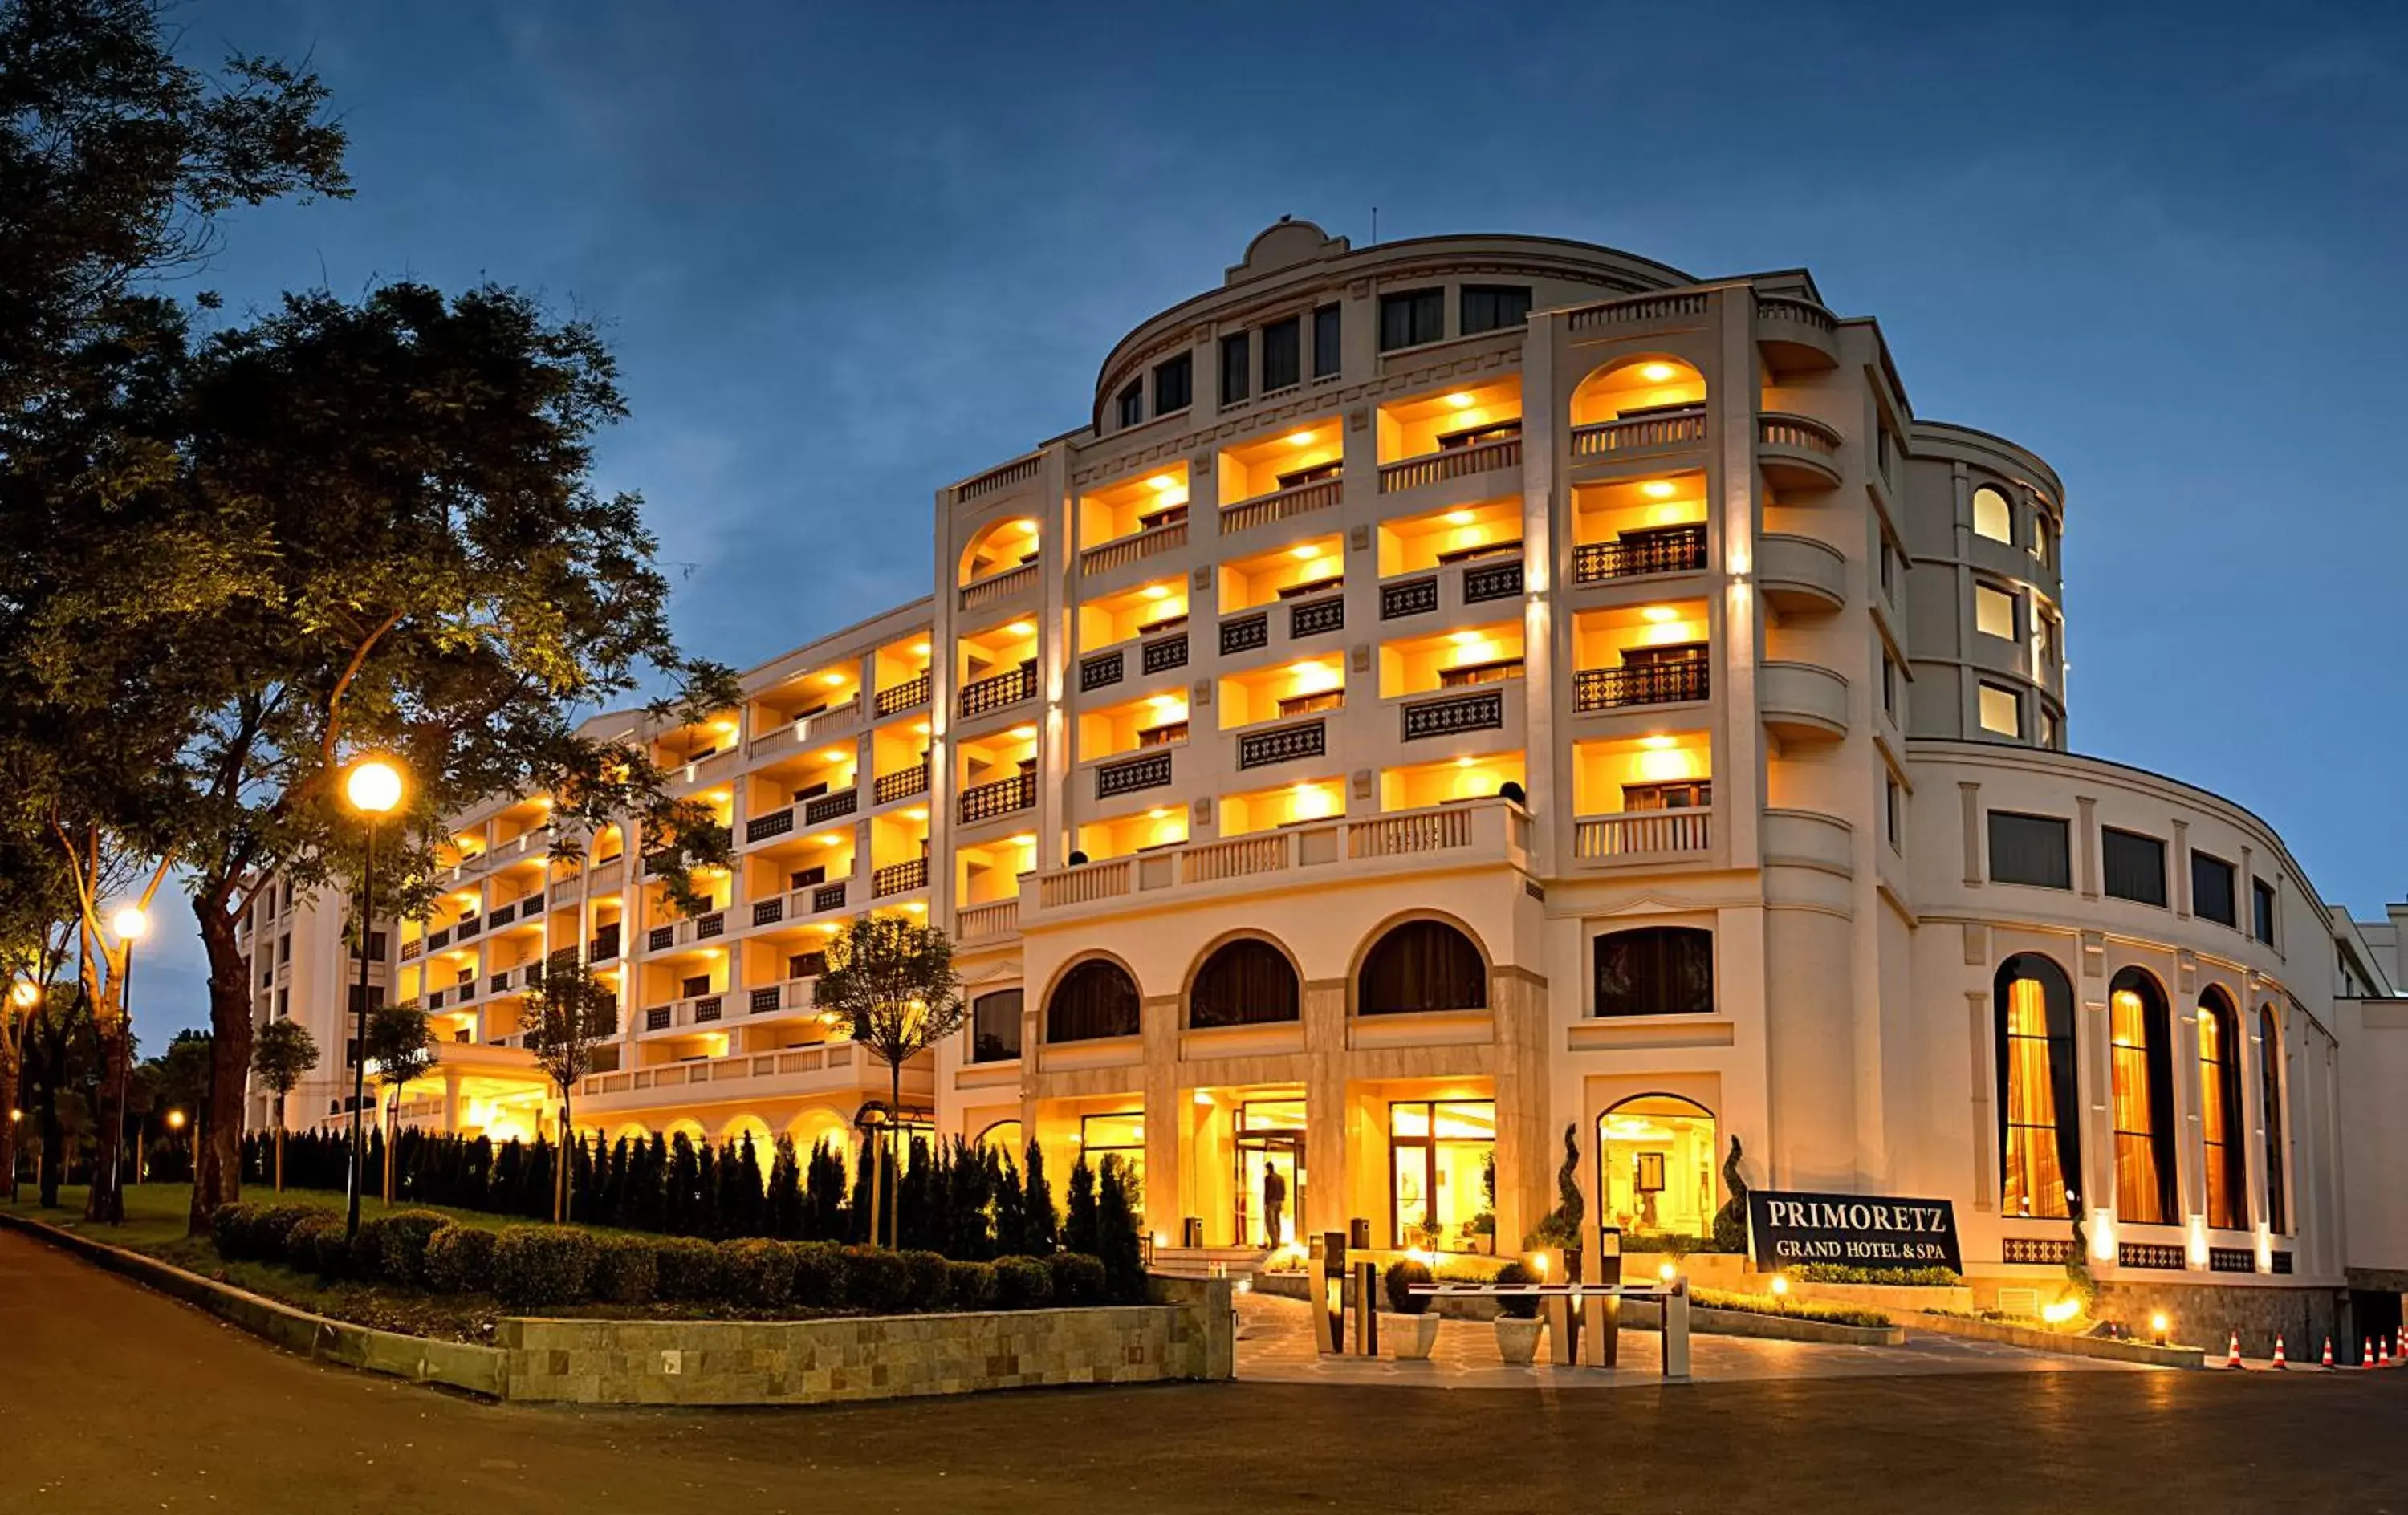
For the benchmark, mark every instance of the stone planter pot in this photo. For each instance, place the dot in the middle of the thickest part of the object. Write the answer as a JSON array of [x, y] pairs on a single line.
[[1415, 1336], [1517, 1341]]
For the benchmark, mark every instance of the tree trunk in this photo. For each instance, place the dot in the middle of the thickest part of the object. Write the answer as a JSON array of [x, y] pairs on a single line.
[[392, 1138], [217, 1170], [893, 1125], [11, 1070], [53, 1149], [568, 1160], [279, 1154], [106, 1200]]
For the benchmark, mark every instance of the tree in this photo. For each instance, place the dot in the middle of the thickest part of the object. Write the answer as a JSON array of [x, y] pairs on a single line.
[[281, 1058], [401, 1046], [61, 1058], [1081, 1222], [563, 1022], [38, 915], [890, 984], [1561, 1226], [178, 1080]]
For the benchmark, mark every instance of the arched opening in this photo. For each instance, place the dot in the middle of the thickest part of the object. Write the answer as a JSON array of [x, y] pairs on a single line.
[[1994, 516], [1003, 1139], [1244, 983], [631, 1132], [2269, 1091], [2140, 1041], [817, 1128], [2039, 1112], [691, 1130], [1656, 1161], [2219, 1112], [1654, 970], [1094, 1000], [1422, 965], [999, 549], [739, 1127], [1638, 390]]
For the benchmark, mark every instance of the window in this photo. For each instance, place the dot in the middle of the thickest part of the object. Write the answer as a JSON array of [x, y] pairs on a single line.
[[1993, 516], [1119, 1136], [1442, 1172], [1096, 999], [2043, 536], [2049, 726], [284, 947], [2139, 1037], [1678, 795], [2214, 883], [2136, 866], [2038, 1109], [1994, 612], [2262, 911], [2219, 1112], [1889, 685], [1654, 970], [1657, 1161], [2029, 850], [1894, 815], [1237, 361], [1486, 307], [1892, 564], [1282, 354], [691, 986], [2050, 651], [1243, 983], [375, 947], [995, 1026], [1422, 965], [1131, 403], [284, 1001], [376, 999], [1411, 319], [2001, 710], [2270, 1092], [1326, 353], [1174, 385]]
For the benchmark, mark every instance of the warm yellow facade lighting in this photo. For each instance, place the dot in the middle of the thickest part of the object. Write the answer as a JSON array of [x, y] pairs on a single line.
[[1304, 552], [1460, 401], [1459, 517], [1657, 489], [1022, 734], [1021, 628], [1300, 438], [1156, 592], [1659, 614], [1656, 373], [1162, 483], [1657, 744]]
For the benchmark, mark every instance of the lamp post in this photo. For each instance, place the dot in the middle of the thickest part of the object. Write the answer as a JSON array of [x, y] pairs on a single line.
[[176, 1125], [374, 788], [131, 923]]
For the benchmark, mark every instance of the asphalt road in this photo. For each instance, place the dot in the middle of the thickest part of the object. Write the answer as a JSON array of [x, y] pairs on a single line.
[[115, 1400]]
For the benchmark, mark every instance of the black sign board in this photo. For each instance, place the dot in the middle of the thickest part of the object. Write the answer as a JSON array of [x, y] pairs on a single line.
[[1788, 1229]]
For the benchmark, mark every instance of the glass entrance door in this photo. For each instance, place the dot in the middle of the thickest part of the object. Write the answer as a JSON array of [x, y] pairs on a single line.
[[1269, 1185]]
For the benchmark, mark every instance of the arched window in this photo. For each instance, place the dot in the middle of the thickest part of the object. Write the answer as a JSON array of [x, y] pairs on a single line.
[[1097, 998], [995, 1026], [2270, 1089], [2139, 1042], [2039, 1110], [1003, 1139], [1656, 1153], [1247, 982], [1422, 965], [2219, 1112], [1993, 516], [1656, 970]]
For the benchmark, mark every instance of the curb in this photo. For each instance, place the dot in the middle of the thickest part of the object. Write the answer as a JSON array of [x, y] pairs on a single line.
[[2032, 1338]]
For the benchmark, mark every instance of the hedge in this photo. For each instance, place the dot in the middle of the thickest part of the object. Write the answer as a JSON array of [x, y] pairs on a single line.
[[535, 1265]]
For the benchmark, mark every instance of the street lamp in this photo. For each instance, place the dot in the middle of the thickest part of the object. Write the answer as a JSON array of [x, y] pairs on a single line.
[[27, 992], [373, 787], [131, 923]]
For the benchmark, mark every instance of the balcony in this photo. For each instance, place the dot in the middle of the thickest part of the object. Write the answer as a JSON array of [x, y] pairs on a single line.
[[1316, 617], [1802, 702], [1643, 835], [899, 877], [604, 945], [1166, 531], [996, 587], [1161, 653], [1000, 691], [901, 784], [702, 1010], [1452, 715], [898, 698], [836, 1067], [1243, 634], [1795, 334], [1669, 550], [1640, 436], [987, 923], [1642, 685], [1282, 744], [984, 802], [1451, 464], [1800, 576], [1131, 774], [1797, 451], [780, 999], [700, 928], [1281, 505]]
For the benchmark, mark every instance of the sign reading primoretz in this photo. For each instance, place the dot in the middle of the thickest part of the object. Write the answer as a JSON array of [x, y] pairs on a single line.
[[1788, 1229]]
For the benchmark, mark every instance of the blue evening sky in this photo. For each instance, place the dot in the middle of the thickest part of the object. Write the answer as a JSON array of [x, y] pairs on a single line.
[[850, 253]]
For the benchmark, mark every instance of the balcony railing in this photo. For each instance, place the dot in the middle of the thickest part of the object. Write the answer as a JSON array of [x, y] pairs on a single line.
[[899, 877], [501, 915], [439, 939], [826, 897], [825, 808], [1282, 744], [469, 928], [412, 948], [1123, 550], [1681, 550], [1802, 433], [1638, 310], [789, 994], [1149, 772], [1164, 653], [1279, 506], [983, 923], [1455, 462], [775, 823], [604, 945], [1101, 671], [1492, 581], [1000, 586], [904, 696], [1455, 714], [1313, 618], [1650, 683], [984, 802], [902, 783], [1413, 597], [1246, 633], [1000, 691], [1642, 834], [1639, 433]]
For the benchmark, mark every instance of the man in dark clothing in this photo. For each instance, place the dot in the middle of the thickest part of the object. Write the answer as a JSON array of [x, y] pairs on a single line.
[[1274, 1203]]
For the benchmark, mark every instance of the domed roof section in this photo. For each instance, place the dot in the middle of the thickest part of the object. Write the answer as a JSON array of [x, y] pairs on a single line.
[[1284, 244]]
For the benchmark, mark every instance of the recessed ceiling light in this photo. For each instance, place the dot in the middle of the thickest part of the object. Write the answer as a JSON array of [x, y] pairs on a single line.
[[1300, 438], [1021, 628], [1162, 483], [1656, 743], [1656, 373], [1459, 517], [1304, 553], [1459, 400], [1660, 613], [1657, 489], [1156, 592]]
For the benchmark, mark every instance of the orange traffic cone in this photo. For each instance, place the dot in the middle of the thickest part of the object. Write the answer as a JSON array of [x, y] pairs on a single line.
[[2366, 1354], [2382, 1351], [2232, 1357], [2328, 1352], [2279, 1361]]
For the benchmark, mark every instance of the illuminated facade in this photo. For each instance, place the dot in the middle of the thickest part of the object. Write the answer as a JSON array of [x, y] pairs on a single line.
[[1466, 689]]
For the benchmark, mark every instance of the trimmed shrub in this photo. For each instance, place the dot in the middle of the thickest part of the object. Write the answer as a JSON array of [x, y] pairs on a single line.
[[819, 1273], [272, 1233], [1520, 1307], [969, 1285], [235, 1231], [1077, 1278], [317, 1243], [542, 1264], [688, 1267], [367, 1260], [459, 1260], [931, 1284], [877, 1281], [401, 1244], [756, 1273], [1022, 1283], [1401, 1277], [626, 1270]]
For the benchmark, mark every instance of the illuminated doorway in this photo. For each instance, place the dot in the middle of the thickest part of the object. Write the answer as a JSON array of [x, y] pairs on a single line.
[[1442, 1174], [1120, 1133], [1657, 1154], [1270, 1171]]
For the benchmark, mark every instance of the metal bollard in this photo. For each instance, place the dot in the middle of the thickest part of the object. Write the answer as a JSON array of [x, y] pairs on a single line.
[[1367, 1309], [1676, 1333], [1602, 1312]]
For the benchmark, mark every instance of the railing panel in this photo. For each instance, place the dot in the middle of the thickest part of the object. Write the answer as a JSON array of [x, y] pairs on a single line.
[[1643, 833], [1000, 586], [1455, 714], [1246, 633], [1682, 550], [1163, 653], [1107, 556], [1000, 691], [1456, 463], [984, 802], [1264, 508], [1639, 433], [1282, 744], [1151, 771], [1653, 684], [1413, 597], [1398, 835], [903, 696]]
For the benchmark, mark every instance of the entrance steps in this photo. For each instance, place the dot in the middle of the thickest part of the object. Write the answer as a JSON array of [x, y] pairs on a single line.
[[1209, 1262]]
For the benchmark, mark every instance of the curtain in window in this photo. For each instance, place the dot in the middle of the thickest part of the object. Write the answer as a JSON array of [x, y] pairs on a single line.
[[1095, 999], [2143, 1073], [2219, 1115], [2039, 1112], [1656, 970], [995, 1026], [1422, 965], [1243, 983], [2270, 1089]]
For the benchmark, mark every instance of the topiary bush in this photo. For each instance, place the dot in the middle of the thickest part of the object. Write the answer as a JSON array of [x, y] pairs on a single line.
[[931, 1285], [877, 1281], [819, 1273], [317, 1243], [271, 1235], [1022, 1283], [626, 1270], [757, 1273], [401, 1245], [459, 1260], [367, 1260], [1520, 1307], [1077, 1278], [234, 1230], [1401, 1277], [969, 1285], [688, 1267], [535, 1265]]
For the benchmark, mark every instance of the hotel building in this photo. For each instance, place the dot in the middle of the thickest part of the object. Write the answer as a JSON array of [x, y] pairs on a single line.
[[1450, 693]]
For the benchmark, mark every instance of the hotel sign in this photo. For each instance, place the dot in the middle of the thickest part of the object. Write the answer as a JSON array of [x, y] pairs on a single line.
[[1788, 1229]]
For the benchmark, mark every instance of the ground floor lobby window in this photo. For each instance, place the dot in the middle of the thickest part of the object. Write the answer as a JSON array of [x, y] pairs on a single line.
[[1270, 1173], [1657, 1154], [1442, 1174], [1121, 1135]]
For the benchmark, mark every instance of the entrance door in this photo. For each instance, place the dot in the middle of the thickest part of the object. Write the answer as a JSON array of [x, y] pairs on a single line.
[[1259, 1157]]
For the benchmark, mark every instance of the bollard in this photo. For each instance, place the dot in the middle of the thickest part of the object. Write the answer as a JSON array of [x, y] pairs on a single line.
[[1367, 1309], [1330, 1289], [1676, 1333], [1602, 1312]]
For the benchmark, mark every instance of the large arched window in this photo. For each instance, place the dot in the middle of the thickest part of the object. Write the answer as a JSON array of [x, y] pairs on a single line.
[[2270, 1089], [1992, 516], [1097, 998], [1655, 1157], [1656, 970], [995, 1026], [2139, 1042], [2219, 1112], [1422, 965], [2040, 1111], [1246, 982]]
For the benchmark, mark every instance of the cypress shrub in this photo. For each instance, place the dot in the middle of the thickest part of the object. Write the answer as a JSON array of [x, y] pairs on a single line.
[[757, 1273], [930, 1285], [969, 1285], [1116, 1240], [317, 1243], [626, 1270], [688, 1269], [819, 1275], [1022, 1283], [782, 1205], [1077, 1278], [1080, 1221], [535, 1265], [877, 1281], [459, 1260], [824, 1211], [401, 1244], [1039, 1234], [1011, 1214]]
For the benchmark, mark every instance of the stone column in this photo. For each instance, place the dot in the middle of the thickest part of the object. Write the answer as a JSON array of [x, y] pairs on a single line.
[[1328, 1182]]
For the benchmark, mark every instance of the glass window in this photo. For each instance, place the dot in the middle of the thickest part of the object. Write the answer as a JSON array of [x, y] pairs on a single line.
[[1096, 998], [1327, 323], [2219, 1113], [1236, 360], [1282, 354], [995, 1026], [1656, 970], [1244, 983], [1174, 385], [2137, 1038], [1994, 612], [2039, 1112], [1118, 1137], [2042, 534], [2269, 1093], [2029, 850], [1889, 685], [1422, 965], [1657, 1157], [1131, 404], [1896, 816], [2213, 888], [1486, 307], [2135, 865], [1993, 516], [2001, 710], [2262, 911], [1412, 318], [1442, 1174]]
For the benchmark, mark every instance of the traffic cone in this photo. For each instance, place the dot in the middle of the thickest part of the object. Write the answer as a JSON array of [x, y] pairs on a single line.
[[2366, 1354], [2232, 1357], [2279, 1361], [2382, 1351], [2328, 1352]]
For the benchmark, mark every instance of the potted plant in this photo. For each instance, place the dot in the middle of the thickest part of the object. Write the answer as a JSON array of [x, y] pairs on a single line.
[[1416, 1332], [1517, 1322]]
